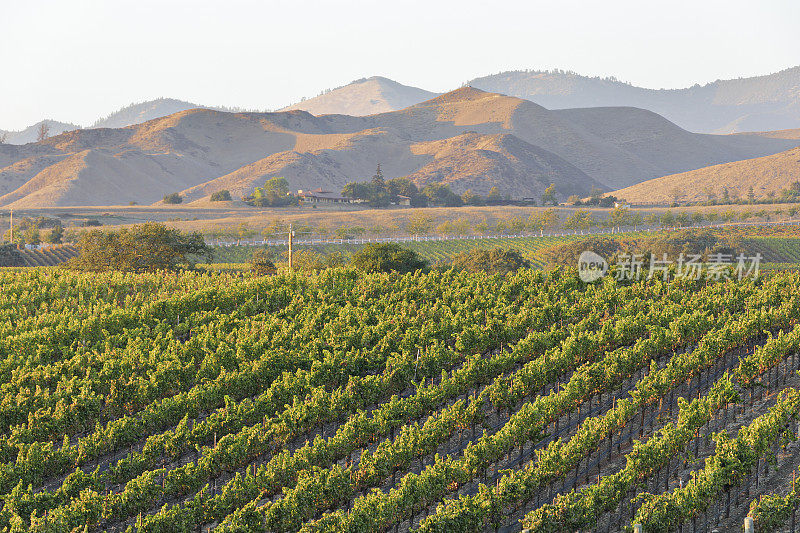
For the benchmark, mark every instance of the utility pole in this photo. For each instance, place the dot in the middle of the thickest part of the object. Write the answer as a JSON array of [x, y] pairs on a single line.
[[291, 234]]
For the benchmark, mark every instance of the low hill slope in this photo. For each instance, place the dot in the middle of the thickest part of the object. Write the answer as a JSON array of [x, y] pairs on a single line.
[[769, 174]]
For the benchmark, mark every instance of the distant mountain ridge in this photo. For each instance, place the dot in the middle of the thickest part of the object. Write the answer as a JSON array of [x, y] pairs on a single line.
[[759, 103], [129, 115], [31, 133], [466, 138], [142, 112], [366, 96]]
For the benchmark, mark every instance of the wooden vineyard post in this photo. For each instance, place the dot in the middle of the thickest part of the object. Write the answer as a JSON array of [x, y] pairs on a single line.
[[291, 235], [748, 525]]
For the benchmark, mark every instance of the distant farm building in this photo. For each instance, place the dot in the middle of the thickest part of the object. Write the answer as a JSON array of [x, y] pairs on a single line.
[[320, 196]]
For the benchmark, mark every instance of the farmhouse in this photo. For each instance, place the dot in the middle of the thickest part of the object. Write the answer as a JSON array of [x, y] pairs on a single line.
[[320, 196]]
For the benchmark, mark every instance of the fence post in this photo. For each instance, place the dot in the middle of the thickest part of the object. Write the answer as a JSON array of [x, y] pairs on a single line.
[[748, 525]]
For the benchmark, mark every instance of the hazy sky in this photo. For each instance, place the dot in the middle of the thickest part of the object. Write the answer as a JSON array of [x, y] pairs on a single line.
[[76, 61]]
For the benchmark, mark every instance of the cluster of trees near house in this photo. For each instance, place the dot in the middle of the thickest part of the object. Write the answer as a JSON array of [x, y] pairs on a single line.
[[380, 192]]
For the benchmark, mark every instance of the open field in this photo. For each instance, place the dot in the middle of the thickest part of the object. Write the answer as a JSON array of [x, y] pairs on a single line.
[[229, 219]]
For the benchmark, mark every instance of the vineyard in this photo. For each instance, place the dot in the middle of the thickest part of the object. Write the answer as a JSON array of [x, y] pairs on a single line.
[[49, 256], [437, 402]]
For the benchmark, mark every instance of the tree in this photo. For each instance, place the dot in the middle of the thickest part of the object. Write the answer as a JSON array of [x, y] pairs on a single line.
[[470, 198], [405, 187], [42, 132], [543, 220], [274, 193], [356, 191], [56, 235], [683, 218], [379, 192], [677, 194], [173, 198], [441, 195], [419, 224], [221, 196], [496, 261], [751, 195], [141, 248], [306, 260], [387, 257], [567, 254], [32, 236], [3, 137], [494, 197], [549, 196], [620, 216], [261, 263], [580, 219]]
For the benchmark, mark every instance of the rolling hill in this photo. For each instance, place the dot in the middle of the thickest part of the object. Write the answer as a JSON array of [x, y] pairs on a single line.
[[769, 102], [362, 97], [142, 112], [766, 175], [31, 133], [467, 138]]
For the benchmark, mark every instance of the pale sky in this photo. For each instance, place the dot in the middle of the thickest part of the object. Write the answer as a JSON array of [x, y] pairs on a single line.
[[76, 61]]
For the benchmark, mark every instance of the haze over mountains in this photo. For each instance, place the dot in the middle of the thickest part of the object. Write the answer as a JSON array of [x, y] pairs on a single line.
[[127, 116], [466, 138], [760, 103], [31, 133], [769, 102], [366, 96]]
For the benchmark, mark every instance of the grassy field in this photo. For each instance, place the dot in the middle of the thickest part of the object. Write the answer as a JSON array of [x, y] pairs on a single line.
[[233, 219]]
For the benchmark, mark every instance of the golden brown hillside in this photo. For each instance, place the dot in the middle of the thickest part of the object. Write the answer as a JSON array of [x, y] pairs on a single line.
[[769, 174], [201, 151]]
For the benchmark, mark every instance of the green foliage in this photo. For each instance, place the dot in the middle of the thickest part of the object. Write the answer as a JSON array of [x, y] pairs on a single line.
[[495, 261], [470, 198], [274, 193], [55, 235], [379, 192], [387, 257], [689, 242], [173, 198], [549, 195], [441, 195], [580, 219], [567, 254], [261, 264], [145, 247], [221, 196]]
